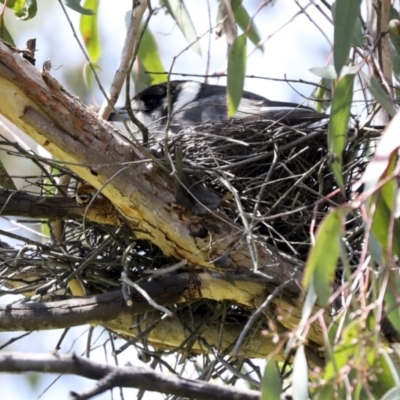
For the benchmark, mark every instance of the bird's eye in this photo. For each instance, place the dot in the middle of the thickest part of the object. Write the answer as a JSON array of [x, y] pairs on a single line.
[[151, 103]]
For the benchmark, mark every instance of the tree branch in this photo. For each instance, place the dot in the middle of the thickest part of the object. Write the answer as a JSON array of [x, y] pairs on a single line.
[[128, 52], [22, 204], [139, 189], [110, 376], [110, 310]]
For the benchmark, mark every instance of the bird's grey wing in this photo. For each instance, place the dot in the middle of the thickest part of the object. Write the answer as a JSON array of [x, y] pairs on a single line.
[[285, 112], [201, 111], [213, 109]]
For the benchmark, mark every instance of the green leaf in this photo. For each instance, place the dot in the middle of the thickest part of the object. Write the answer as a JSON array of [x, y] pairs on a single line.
[[384, 201], [394, 14], [395, 39], [150, 59], [395, 61], [34, 379], [345, 351], [321, 97], [375, 250], [381, 96], [245, 23], [179, 13], [76, 6], [322, 260], [391, 296], [236, 73], [4, 34], [5, 180], [337, 132], [381, 228], [345, 19], [24, 9], [271, 383], [88, 74], [336, 167], [358, 35], [386, 374], [327, 393], [90, 31], [390, 189]]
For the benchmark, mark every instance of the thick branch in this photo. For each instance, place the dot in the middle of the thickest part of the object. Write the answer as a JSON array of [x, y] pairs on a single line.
[[93, 310], [136, 377], [22, 204], [109, 309]]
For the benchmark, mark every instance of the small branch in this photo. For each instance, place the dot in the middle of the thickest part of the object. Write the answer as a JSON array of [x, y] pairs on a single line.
[[257, 314], [22, 204], [128, 52], [134, 285], [110, 376], [89, 310]]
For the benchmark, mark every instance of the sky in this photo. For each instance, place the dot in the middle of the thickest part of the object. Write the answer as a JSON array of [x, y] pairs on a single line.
[[292, 46]]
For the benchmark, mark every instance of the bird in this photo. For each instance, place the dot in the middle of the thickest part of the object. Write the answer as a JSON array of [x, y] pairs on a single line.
[[195, 104]]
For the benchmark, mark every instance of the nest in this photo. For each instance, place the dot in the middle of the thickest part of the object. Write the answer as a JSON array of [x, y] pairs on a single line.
[[277, 177]]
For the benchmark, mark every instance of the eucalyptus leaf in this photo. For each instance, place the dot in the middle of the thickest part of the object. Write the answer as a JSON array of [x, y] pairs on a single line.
[[272, 382], [236, 73], [90, 31], [4, 34], [179, 13], [76, 6], [246, 24], [24, 9], [381, 96], [5, 180], [321, 97], [345, 21], [324, 255], [150, 58], [337, 131]]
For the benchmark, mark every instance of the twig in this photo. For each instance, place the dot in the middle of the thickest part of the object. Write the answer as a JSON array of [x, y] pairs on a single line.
[[129, 282], [128, 52], [260, 310]]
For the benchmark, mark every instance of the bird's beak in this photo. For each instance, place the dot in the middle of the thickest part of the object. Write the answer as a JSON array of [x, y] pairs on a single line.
[[120, 114]]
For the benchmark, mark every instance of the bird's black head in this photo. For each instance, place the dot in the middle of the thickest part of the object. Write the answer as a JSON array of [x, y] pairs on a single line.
[[156, 97], [150, 106]]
